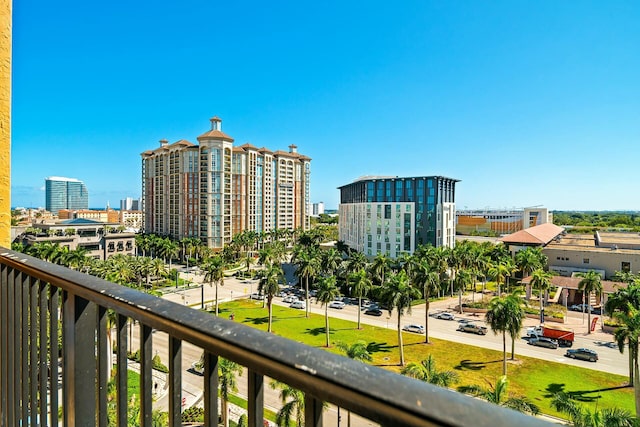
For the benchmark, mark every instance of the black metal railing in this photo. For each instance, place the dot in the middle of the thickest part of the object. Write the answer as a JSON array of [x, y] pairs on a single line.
[[36, 297]]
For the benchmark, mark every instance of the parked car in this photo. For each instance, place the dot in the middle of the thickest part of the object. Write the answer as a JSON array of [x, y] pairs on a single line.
[[300, 305], [373, 312], [581, 307], [289, 299], [336, 304], [371, 306], [445, 315], [582, 354], [418, 329], [257, 296], [543, 342], [472, 328]]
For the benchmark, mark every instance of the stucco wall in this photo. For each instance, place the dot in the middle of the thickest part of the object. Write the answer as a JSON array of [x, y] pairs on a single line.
[[5, 123]]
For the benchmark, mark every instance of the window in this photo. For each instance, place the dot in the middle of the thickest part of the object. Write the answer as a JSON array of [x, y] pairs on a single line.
[[625, 267], [585, 260], [387, 211]]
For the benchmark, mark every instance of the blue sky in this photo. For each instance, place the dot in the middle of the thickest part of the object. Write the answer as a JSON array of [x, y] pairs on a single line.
[[527, 103]]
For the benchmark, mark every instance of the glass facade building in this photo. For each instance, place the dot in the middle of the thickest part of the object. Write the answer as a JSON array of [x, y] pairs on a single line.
[[394, 215], [65, 193]]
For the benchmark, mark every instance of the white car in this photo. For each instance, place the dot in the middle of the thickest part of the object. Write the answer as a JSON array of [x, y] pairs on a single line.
[[301, 305], [445, 315], [289, 299], [337, 304], [418, 329]]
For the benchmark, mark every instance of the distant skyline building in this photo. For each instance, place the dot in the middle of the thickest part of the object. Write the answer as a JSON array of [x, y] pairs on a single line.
[[130, 204], [393, 215], [317, 209], [65, 193], [500, 221], [213, 190]]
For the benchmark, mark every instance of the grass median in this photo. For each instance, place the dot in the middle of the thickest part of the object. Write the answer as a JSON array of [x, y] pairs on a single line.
[[537, 379]]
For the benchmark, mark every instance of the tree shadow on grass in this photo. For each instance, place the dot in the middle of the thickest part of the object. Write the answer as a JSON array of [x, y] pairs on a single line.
[[580, 395], [318, 331], [379, 347], [470, 365], [257, 320]]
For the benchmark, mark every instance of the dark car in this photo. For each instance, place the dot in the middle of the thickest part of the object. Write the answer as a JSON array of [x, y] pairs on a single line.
[[373, 312], [472, 328], [543, 342], [583, 354]]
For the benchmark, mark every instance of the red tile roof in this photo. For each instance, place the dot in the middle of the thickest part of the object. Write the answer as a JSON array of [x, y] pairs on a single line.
[[538, 235], [215, 134]]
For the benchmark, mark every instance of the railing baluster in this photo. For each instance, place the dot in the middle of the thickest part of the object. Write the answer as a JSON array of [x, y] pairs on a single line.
[[211, 363], [122, 402], [19, 327], [26, 280], [146, 376], [53, 354], [175, 382], [33, 347], [104, 359], [79, 371], [312, 411], [11, 367], [255, 399], [4, 347], [43, 375]]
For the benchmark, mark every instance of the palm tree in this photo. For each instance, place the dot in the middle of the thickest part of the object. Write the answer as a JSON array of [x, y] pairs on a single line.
[[426, 371], [269, 287], [498, 318], [542, 280], [516, 316], [293, 404], [357, 351], [398, 294], [360, 287], [214, 273], [528, 260], [499, 272], [425, 275], [327, 292], [330, 261], [622, 300], [461, 281], [379, 267], [498, 395], [629, 333], [306, 262], [227, 373], [583, 417], [591, 282]]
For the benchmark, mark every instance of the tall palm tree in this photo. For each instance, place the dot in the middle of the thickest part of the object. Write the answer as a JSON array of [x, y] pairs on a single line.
[[497, 317], [499, 272], [542, 280], [227, 373], [528, 260], [629, 333], [426, 371], [379, 267], [583, 417], [591, 282], [357, 351], [398, 294], [327, 292], [461, 281], [269, 287], [622, 300], [306, 262], [214, 274], [497, 394], [360, 287], [516, 317], [330, 261], [429, 279], [292, 404]]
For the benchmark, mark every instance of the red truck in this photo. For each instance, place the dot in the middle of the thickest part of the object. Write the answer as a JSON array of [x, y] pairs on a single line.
[[564, 336]]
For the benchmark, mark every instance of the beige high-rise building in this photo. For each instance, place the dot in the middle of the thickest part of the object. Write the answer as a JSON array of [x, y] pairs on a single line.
[[214, 190]]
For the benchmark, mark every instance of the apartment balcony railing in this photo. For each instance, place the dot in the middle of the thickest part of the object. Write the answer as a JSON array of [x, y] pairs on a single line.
[[35, 297]]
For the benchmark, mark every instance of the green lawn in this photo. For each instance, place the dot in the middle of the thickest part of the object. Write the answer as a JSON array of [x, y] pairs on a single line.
[[537, 379]]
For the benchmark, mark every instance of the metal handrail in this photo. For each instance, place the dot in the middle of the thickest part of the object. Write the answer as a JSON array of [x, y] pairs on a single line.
[[376, 394]]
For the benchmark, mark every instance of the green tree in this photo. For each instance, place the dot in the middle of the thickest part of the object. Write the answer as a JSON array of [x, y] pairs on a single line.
[[327, 292], [360, 287], [398, 293], [628, 334], [292, 404], [269, 287], [426, 371], [330, 261], [227, 380], [542, 280], [498, 317], [583, 417], [357, 351], [516, 317], [429, 280], [379, 268], [307, 266], [591, 282], [214, 274], [498, 395]]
